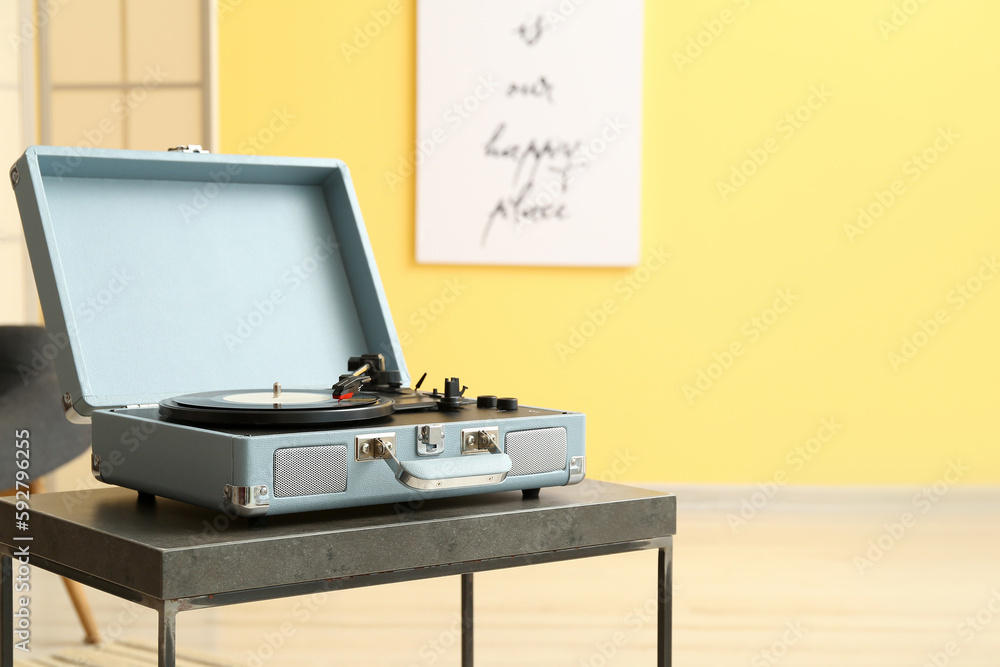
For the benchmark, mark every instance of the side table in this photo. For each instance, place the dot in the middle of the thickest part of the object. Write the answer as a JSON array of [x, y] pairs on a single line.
[[174, 557]]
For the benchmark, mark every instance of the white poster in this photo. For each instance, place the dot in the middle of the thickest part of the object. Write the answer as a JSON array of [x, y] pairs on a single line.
[[529, 132]]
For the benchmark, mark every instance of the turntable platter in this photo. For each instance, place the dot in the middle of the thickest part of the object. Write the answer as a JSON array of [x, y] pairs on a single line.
[[263, 407]]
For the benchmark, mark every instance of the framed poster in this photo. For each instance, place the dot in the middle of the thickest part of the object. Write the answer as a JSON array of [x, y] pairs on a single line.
[[529, 132]]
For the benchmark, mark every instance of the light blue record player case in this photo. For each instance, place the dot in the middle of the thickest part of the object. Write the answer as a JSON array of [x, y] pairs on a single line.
[[169, 273]]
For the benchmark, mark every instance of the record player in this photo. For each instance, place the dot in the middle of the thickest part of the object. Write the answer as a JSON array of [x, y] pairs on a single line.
[[231, 343]]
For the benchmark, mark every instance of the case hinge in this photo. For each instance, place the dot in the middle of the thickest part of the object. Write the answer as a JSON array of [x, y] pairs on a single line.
[[71, 414]]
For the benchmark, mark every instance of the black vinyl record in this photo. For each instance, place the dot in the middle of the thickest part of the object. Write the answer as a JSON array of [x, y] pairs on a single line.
[[261, 407]]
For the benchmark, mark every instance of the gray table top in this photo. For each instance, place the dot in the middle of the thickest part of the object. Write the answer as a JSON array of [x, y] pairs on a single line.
[[171, 550]]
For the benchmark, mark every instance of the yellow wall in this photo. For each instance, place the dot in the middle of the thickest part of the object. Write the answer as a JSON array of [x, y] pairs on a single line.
[[827, 356]]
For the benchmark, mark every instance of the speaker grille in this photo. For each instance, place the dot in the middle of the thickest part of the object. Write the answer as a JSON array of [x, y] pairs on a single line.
[[537, 450], [307, 471]]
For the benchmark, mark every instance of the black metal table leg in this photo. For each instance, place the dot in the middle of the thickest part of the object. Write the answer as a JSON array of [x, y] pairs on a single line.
[[664, 606], [467, 620], [168, 634], [7, 614]]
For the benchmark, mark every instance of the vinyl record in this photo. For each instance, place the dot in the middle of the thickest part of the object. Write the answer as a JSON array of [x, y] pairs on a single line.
[[262, 407]]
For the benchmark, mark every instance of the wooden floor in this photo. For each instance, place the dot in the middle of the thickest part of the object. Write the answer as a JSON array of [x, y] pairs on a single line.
[[816, 577]]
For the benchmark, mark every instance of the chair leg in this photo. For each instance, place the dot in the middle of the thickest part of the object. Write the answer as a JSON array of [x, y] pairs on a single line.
[[92, 635]]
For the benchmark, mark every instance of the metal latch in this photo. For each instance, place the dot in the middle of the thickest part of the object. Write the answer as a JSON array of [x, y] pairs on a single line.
[[430, 439]]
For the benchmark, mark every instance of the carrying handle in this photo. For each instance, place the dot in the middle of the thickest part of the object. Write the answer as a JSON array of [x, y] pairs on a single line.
[[452, 473]]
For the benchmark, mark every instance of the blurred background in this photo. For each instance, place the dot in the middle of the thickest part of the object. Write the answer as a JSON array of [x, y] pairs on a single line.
[[656, 379], [826, 317]]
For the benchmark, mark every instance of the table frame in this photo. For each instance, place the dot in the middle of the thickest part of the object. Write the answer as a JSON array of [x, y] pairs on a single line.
[[167, 610], [167, 606]]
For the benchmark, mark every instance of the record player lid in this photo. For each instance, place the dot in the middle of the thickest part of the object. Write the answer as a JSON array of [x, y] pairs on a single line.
[[171, 273]]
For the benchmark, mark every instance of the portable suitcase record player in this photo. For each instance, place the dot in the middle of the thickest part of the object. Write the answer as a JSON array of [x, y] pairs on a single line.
[[228, 336]]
